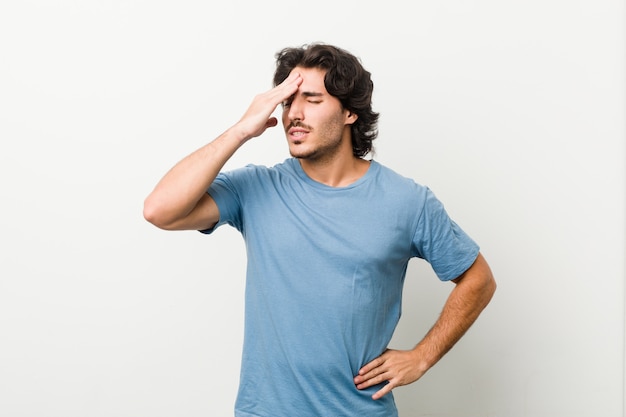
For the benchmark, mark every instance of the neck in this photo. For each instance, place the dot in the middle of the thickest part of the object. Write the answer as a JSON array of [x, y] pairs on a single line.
[[339, 171]]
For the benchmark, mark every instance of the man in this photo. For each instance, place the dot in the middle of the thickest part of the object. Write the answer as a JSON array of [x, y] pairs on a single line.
[[328, 237]]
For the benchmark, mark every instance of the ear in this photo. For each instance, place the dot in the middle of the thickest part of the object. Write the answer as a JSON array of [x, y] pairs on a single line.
[[351, 117]]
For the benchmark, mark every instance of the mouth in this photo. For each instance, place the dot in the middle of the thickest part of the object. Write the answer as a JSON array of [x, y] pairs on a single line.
[[297, 133]]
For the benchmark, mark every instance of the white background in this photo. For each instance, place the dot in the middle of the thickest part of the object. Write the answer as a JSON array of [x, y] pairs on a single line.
[[512, 112]]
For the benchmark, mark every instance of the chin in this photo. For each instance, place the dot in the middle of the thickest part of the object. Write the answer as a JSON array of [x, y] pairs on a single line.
[[300, 153]]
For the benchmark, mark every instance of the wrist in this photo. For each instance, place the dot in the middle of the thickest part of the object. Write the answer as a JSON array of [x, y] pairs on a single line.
[[424, 357], [238, 134]]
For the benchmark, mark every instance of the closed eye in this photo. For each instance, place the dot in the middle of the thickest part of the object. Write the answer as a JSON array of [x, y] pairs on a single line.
[[287, 103], [312, 98]]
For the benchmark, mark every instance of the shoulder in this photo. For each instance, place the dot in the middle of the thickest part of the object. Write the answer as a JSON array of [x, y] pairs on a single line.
[[253, 174], [393, 179]]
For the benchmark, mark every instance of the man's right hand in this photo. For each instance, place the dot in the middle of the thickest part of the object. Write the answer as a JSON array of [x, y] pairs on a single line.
[[259, 117]]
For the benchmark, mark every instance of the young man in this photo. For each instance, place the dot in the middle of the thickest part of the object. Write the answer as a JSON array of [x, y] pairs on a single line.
[[328, 237]]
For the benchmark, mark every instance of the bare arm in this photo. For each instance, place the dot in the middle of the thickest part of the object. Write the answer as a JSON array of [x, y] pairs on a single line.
[[179, 201], [473, 291]]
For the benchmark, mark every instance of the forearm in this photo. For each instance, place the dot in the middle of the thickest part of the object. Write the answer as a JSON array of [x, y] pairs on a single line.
[[472, 293], [182, 187]]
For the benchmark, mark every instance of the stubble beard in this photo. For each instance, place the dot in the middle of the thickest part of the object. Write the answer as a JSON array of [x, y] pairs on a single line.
[[330, 141], [323, 152]]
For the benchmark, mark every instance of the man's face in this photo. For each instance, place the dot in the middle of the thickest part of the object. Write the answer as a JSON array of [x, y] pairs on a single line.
[[315, 123]]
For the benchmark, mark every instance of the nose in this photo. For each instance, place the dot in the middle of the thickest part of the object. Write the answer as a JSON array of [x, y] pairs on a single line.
[[295, 110]]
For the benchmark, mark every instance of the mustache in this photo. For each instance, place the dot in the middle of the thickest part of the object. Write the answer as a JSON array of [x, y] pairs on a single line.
[[297, 123]]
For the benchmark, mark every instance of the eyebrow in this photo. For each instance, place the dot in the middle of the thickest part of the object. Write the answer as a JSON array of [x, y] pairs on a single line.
[[311, 94]]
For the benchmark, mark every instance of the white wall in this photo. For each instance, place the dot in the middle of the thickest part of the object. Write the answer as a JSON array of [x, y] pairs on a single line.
[[512, 112]]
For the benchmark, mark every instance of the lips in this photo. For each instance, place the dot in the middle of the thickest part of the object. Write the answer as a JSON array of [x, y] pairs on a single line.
[[297, 132]]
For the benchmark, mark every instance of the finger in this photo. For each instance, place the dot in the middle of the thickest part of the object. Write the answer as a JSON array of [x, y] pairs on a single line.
[[294, 77], [281, 92], [271, 122], [291, 83], [382, 392], [360, 379], [371, 379], [372, 365], [375, 376]]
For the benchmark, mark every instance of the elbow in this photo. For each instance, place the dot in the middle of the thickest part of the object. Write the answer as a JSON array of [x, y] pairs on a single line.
[[487, 284], [149, 214], [153, 213], [479, 280], [489, 287], [484, 291]]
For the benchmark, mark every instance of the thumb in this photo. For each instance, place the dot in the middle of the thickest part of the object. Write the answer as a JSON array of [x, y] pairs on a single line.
[[271, 122]]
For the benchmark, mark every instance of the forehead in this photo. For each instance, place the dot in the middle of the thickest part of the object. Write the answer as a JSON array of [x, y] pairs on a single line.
[[312, 79]]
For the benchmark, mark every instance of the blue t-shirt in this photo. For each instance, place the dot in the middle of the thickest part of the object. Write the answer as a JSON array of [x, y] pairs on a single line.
[[326, 267]]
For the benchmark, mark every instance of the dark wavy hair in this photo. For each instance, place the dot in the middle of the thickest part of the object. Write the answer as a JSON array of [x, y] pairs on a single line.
[[345, 79]]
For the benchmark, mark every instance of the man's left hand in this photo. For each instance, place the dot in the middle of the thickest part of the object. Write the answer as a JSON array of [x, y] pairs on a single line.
[[396, 367]]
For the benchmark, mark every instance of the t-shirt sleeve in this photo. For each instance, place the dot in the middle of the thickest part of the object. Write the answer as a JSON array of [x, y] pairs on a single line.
[[227, 197], [441, 242]]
